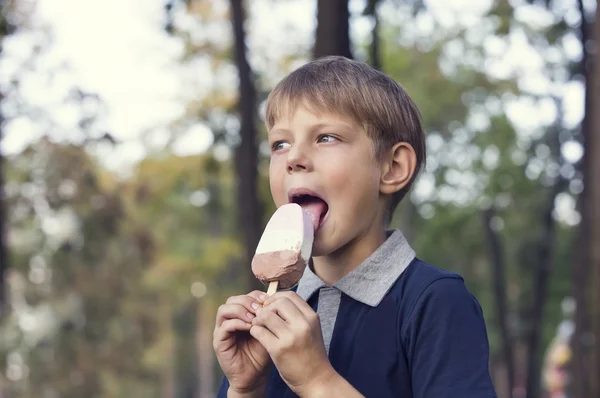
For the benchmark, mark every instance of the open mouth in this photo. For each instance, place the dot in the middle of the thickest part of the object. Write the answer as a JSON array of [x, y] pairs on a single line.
[[313, 204]]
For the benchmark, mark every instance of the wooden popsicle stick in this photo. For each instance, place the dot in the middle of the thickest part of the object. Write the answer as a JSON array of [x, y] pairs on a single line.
[[272, 288]]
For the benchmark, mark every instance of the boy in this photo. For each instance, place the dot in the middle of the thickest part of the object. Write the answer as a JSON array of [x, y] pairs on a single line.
[[367, 318]]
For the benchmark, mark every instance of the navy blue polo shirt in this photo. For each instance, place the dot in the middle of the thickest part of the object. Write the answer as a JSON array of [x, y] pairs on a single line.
[[398, 327]]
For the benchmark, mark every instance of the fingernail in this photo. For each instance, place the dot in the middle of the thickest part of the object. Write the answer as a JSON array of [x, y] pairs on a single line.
[[262, 296], [255, 305], [250, 315]]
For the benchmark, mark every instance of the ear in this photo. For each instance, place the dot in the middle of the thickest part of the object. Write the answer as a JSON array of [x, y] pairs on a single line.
[[398, 168]]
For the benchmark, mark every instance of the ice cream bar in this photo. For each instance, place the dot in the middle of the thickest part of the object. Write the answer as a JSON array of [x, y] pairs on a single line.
[[284, 248]]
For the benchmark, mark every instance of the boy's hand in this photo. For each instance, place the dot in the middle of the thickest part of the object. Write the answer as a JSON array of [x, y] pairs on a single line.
[[244, 360], [291, 332]]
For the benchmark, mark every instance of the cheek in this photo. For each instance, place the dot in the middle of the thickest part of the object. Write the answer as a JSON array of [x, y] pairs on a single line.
[[355, 183], [350, 174], [276, 183]]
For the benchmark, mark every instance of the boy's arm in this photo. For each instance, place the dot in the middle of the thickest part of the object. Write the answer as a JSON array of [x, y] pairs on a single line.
[[447, 343]]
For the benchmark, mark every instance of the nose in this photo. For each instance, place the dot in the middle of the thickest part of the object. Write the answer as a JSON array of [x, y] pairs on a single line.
[[298, 159]]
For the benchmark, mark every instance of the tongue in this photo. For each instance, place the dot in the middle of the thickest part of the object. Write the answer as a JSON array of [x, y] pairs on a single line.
[[315, 208]]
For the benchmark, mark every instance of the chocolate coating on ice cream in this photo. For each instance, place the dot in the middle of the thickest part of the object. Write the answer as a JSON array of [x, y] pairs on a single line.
[[289, 270]]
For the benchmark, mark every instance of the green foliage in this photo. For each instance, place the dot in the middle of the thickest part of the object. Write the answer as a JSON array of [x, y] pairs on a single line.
[[81, 262], [123, 275]]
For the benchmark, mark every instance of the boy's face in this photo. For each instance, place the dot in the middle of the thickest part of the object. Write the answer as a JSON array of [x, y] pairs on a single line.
[[326, 164]]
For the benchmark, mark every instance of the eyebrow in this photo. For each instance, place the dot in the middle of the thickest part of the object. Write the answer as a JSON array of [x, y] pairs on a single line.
[[278, 130], [313, 128]]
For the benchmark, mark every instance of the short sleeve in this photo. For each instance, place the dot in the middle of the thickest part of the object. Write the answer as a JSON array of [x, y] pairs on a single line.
[[446, 343]]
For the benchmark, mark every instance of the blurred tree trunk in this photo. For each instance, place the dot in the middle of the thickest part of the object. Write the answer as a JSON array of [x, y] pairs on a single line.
[[246, 156], [501, 301], [581, 265], [5, 30], [204, 349], [333, 29], [3, 223], [167, 382], [541, 278], [374, 49], [204, 317], [593, 148], [543, 265]]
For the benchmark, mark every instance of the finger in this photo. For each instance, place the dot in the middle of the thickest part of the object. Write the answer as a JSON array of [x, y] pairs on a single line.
[[264, 337], [250, 301], [247, 300], [258, 296], [286, 309], [302, 305], [235, 311], [269, 319], [230, 326]]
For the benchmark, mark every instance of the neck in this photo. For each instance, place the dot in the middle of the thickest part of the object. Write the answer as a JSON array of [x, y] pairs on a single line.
[[335, 266]]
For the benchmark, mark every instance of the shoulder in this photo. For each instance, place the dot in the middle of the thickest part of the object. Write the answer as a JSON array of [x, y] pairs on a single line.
[[443, 334], [420, 270], [424, 287], [421, 277]]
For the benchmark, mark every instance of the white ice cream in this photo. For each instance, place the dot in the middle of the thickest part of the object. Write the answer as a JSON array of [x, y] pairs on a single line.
[[290, 228]]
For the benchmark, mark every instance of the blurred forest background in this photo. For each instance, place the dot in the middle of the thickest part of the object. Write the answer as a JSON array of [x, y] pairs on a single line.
[[134, 177]]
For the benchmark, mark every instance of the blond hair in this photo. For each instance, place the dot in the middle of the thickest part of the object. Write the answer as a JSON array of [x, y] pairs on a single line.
[[345, 87]]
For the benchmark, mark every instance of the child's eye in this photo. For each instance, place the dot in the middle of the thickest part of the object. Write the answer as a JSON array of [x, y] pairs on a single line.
[[327, 138], [279, 145]]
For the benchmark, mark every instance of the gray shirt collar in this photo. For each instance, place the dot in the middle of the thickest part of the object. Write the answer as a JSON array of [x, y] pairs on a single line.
[[373, 278]]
